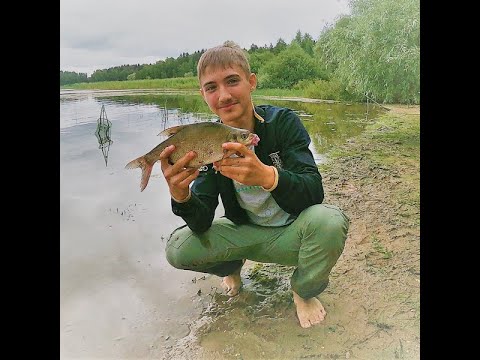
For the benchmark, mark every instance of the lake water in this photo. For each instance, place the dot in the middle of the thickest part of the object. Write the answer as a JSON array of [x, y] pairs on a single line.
[[119, 298]]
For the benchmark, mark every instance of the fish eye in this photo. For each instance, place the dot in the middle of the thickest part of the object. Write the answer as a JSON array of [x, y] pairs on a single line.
[[244, 136]]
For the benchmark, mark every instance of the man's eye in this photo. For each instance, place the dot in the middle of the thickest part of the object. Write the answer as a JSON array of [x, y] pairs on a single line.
[[233, 81], [209, 88]]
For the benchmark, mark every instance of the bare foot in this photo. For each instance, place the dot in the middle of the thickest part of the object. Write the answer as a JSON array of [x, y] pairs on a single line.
[[310, 312], [232, 283]]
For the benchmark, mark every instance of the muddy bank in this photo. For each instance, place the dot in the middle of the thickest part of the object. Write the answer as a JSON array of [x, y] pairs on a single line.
[[373, 299]]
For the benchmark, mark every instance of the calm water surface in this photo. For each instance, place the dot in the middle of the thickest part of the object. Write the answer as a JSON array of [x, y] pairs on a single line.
[[119, 296]]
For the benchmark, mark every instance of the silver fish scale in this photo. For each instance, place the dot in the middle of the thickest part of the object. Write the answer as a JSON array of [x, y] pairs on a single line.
[[205, 139], [207, 151]]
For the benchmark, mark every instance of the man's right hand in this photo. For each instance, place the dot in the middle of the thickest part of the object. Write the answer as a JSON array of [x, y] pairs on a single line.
[[178, 176]]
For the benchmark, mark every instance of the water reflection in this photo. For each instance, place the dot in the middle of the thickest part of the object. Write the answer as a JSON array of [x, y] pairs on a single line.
[[103, 133], [173, 108], [329, 124]]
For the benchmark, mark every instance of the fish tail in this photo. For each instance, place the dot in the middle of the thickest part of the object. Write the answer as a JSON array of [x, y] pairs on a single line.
[[146, 167]]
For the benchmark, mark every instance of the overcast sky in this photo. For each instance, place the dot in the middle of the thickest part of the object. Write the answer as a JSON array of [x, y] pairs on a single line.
[[99, 34]]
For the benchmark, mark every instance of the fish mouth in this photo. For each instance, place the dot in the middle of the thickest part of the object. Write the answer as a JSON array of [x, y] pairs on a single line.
[[253, 139]]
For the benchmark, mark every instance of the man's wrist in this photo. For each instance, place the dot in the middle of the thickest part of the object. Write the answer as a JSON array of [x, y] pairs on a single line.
[[275, 180], [185, 199]]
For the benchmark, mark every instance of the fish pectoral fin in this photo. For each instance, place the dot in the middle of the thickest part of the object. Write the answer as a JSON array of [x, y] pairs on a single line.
[[172, 130]]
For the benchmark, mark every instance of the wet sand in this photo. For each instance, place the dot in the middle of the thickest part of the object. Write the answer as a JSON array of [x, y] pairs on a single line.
[[120, 298]]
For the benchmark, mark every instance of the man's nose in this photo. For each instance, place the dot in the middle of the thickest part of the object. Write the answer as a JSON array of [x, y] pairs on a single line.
[[224, 94]]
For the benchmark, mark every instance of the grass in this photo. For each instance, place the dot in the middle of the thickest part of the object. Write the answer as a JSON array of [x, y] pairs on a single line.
[[378, 247], [392, 142], [183, 83], [279, 92]]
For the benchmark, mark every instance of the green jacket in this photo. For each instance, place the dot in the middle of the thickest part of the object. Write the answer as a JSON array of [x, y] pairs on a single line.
[[283, 143]]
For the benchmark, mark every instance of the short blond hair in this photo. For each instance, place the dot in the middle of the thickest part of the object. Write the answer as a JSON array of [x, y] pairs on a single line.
[[224, 56]]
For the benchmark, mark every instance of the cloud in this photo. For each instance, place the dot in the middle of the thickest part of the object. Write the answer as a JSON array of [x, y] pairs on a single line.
[[96, 34]]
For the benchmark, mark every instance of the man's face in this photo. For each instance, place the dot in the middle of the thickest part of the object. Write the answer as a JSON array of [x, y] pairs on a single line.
[[227, 94]]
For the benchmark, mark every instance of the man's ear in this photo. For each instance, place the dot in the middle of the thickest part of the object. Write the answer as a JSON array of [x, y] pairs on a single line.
[[253, 81]]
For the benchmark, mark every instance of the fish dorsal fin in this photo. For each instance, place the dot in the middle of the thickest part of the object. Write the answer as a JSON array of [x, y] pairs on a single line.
[[171, 131]]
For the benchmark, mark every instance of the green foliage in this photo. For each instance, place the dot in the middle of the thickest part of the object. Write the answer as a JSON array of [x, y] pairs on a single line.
[[182, 83], [263, 93], [326, 90], [374, 53], [325, 51], [117, 73], [259, 58], [279, 46], [376, 50], [184, 65], [70, 77], [305, 41], [289, 67]]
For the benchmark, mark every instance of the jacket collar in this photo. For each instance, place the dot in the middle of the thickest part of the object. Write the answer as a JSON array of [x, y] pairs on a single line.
[[259, 127], [256, 114]]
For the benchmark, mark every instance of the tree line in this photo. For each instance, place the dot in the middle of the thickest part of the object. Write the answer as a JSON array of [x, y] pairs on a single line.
[[372, 53]]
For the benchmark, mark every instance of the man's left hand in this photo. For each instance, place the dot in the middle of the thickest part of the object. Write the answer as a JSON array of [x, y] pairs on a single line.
[[247, 168]]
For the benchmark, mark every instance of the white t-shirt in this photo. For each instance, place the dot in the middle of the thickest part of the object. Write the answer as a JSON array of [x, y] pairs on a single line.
[[261, 207]]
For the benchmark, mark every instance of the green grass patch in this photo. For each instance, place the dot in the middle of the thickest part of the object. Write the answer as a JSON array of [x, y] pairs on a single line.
[[378, 247], [183, 83], [388, 152], [279, 92]]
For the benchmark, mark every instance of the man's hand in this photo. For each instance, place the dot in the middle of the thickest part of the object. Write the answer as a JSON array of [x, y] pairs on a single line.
[[247, 168], [178, 176]]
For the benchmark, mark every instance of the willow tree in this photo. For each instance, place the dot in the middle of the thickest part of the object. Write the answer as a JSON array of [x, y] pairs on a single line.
[[375, 51]]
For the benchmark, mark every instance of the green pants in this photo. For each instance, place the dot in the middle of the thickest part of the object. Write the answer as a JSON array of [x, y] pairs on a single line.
[[313, 243]]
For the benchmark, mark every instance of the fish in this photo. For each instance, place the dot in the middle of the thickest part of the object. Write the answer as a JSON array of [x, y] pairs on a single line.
[[205, 138]]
